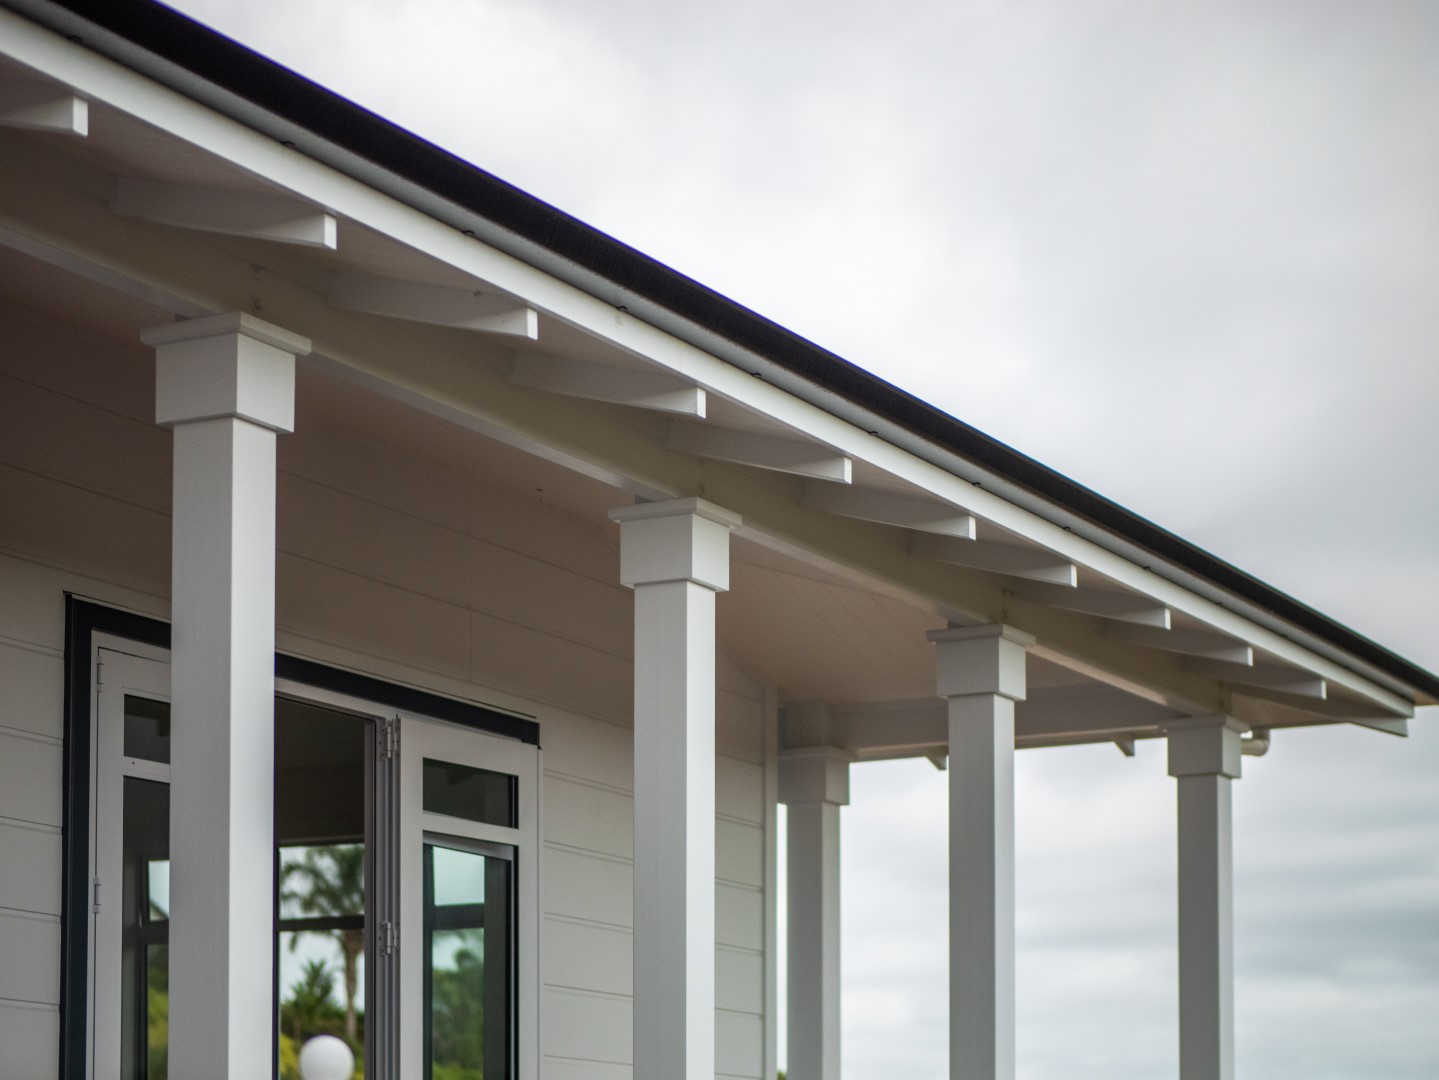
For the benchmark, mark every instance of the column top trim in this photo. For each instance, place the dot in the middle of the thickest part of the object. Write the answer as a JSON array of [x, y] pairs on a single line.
[[978, 633], [231, 322], [643, 511], [814, 774]]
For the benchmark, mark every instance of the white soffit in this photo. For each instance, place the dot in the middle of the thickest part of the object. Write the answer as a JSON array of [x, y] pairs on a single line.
[[180, 133]]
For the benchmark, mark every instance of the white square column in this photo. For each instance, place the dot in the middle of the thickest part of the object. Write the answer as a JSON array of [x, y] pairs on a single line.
[[675, 555], [814, 784], [1204, 757], [225, 385], [981, 672]]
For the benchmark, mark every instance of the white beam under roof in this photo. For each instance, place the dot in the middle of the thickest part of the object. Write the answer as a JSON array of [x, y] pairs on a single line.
[[778, 453], [1124, 606], [280, 218], [1184, 640], [438, 305], [1276, 677], [657, 390], [36, 105], [1035, 564], [918, 727], [890, 508]]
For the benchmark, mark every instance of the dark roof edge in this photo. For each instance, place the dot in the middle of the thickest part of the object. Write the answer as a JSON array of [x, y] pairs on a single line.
[[136, 31]]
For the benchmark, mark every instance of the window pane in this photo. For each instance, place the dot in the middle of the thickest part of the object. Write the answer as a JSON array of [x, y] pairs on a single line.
[[468, 955], [147, 729], [322, 974], [157, 992], [157, 890], [473, 794], [145, 901], [322, 888]]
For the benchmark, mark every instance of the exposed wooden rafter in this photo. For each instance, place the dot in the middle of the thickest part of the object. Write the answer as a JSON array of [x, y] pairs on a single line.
[[1034, 564], [655, 390], [1123, 606], [799, 457], [219, 210], [888, 508], [32, 105]]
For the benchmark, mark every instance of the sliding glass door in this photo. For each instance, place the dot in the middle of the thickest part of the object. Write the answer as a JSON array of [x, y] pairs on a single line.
[[405, 885]]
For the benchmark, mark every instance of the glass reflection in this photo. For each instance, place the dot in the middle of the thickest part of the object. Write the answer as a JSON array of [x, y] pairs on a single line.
[[321, 880], [144, 930], [468, 954]]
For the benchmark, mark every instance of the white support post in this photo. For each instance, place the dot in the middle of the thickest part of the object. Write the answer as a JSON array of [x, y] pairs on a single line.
[[675, 555], [814, 784], [1204, 757], [981, 671], [225, 384]]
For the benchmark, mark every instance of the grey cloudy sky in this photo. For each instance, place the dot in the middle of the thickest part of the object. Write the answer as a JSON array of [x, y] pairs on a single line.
[[1187, 253]]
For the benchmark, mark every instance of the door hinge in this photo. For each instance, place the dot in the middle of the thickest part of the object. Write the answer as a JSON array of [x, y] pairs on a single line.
[[96, 901], [390, 737], [389, 938]]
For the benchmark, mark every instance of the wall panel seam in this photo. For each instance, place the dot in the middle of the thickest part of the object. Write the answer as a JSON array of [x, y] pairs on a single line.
[[32, 736], [99, 493], [34, 826], [32, 646]]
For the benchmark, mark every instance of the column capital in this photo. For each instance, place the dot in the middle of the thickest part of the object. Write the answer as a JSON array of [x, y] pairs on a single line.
[[814, 774], [980, 660], [675, 540], [1205, 746], [231, 365]]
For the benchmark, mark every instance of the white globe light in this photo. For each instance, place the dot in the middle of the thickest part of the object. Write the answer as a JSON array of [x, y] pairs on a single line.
[[326, 1058]]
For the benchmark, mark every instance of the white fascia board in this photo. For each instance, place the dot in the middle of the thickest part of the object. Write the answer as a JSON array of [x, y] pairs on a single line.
[[411, 215]]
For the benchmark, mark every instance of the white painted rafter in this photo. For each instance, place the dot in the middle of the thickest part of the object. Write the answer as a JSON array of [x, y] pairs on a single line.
[[1183, 640], [33, 105], [656, 390], [799, 457], [1275, 677], [280, 218], [1011, 559], [889, 508], [1123, 606], [438, 305]]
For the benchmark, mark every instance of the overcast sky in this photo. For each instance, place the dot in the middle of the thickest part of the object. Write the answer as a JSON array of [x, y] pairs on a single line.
[[1187, 253]]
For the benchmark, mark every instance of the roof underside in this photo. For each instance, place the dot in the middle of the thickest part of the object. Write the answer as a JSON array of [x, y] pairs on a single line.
[[1011, 539]]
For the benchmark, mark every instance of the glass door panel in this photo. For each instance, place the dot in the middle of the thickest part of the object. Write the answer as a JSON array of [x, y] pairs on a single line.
[[323, 879], [469, 932], [468, 952], [131, 906]]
